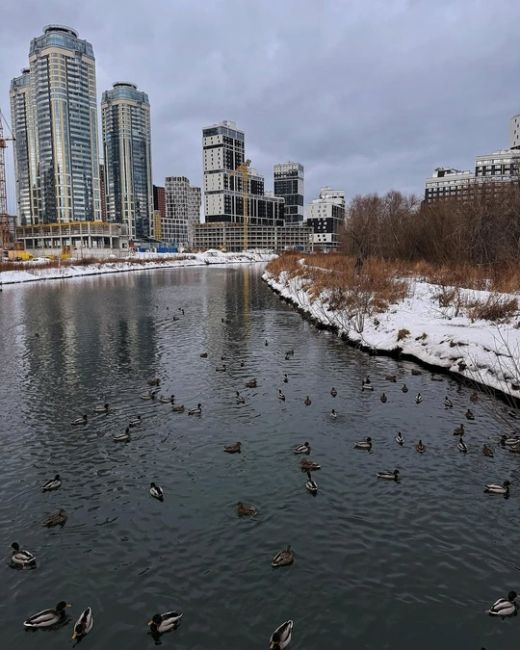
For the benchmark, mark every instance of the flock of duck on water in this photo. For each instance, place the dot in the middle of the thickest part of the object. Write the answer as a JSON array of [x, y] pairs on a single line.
[[159, 624]]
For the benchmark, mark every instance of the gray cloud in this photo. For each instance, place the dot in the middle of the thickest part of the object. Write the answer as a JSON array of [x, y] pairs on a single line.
[[369, 96]]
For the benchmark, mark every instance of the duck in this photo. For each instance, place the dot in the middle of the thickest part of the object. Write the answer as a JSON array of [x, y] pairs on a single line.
[[392, 378], [56, 519], [461, 446], [83, 419], [48, 617], [311, 485], [333, 414], [22, 559], [509, 442], [290, 352], [203, 355], [469, 415], [333, 392], [383, 398], [305, 448], [134, 421], [245, 509], [154, 382], [459, 431], [416, 372], [167, 400], [251, 383], [418, 398], [399, 438], [162, 623], [309, 465], [474, 397], [285, 379], [420, 448], [156, 492], [366, 385], [281, 396], [266, 343], [287, 356], [196, 411], [122, 437], [494, 488], [52, 484], [404, 388], [307, 401], [235, 448], [102, 408], [388, 475], [448, 404], [83, 625], [283, 557], [240, 398], [504, 606], [148, 395], [221, 368], [364, 444], [178, 408], [487, 451], [281, 637], [515, 449]]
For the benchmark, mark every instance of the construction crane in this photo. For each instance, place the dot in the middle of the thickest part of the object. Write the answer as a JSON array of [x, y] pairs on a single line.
[[5, 235], [243, 171]]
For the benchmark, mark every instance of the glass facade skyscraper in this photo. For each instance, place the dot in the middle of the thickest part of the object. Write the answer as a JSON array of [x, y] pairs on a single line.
[[288, 183], [125, 113], [54, 118]]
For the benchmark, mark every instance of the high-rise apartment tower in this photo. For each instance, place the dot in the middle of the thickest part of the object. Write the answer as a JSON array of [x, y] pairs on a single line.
[[288, 184], [182, 211]]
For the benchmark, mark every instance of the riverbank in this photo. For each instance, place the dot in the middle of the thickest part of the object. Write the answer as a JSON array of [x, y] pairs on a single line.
[[33, 272], [420, 327]]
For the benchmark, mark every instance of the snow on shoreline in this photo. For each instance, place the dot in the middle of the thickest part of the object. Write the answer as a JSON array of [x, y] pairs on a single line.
[[480, 351], [34, 273]]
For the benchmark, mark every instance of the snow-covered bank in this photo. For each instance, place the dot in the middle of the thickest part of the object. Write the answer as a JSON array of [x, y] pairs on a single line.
[[146, 261], [480, 351]]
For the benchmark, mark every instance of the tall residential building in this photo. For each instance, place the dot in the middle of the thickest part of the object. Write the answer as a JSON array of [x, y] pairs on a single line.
[[54, 116], [223, 147], [125, 113], [159, 200], [102, 191], [288, 183], [325, 216], [182, 211], [515, 132]]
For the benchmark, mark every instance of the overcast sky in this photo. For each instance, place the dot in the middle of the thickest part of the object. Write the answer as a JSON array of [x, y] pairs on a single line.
[[369, 95]]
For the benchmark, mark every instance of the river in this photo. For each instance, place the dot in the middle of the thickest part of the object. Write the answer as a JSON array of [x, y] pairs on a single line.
[[379, 565]]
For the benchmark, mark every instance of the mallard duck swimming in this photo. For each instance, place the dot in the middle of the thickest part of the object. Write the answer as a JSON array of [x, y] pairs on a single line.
[[399, 438], [56, 519], [196, 411], [448, 404], [203, 355], [240, 398], [22, 559], [221, 368], [48, 617], [154, 382], [281, 396], [302, 449], [285, 379], [392, 378], [83, 625], [102, 408], [281, 637], [283, 557], [420, 448], [333, 392], [459, 431], [333, 414], [388, 475], [364, 444], [504, 606], [311, 485], [251, 383], [509, 442], [418, 398], [307, 401], [461, 446], [235, 448], [245, 509], [156, 492], [469, 415], [474, 397], [148, 395], [162, 623], [383, 398], [366, 385], [487, 451], [122, 437], [309, 466], [167, 400], [404, 388], [178, 408], [494, 488], [52, 484], [81, 420], [134, 421], [266, 343]]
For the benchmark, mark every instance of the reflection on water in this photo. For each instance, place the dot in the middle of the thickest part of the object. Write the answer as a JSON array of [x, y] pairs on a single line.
[[378, 564]]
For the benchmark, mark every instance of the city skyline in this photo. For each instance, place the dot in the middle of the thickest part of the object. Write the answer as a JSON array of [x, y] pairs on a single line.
[[371, 106]]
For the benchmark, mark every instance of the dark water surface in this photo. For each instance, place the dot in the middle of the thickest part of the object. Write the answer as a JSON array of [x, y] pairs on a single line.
[[378, 565]]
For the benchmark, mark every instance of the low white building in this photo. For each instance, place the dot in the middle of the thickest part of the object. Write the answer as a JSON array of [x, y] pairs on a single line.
[[325, 215]]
